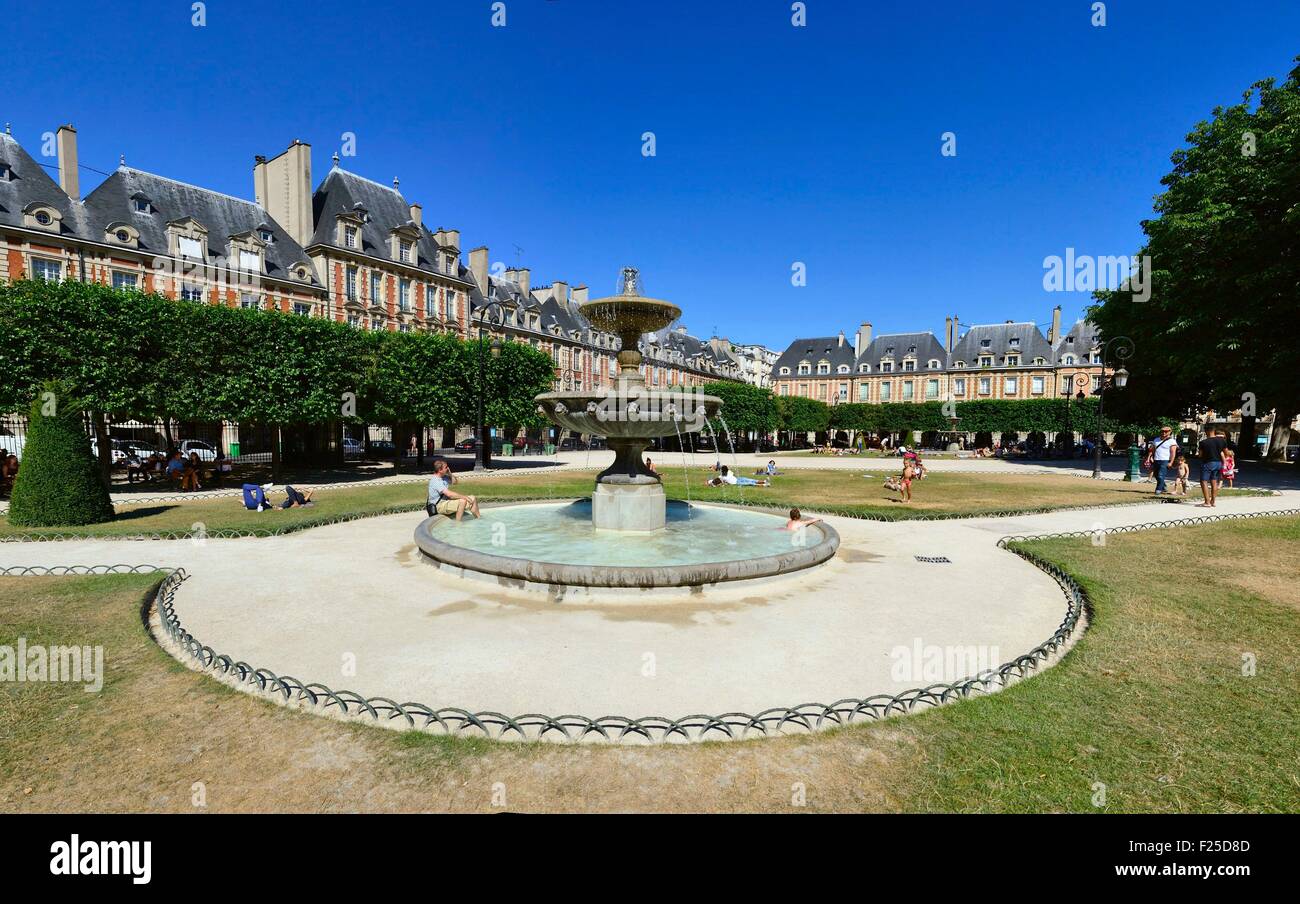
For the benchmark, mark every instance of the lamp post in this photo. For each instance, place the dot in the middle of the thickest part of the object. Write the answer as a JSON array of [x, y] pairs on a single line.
[[1079, 382], [1123, 350], [490, 314]]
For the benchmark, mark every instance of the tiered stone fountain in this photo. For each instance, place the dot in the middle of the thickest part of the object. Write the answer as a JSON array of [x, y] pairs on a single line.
[[627, 496], [627, 539]]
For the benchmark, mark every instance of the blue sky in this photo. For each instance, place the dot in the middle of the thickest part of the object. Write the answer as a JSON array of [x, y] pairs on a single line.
[[775, 144]]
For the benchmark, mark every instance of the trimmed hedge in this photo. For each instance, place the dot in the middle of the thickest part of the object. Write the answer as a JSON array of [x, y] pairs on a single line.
[[58, 482]]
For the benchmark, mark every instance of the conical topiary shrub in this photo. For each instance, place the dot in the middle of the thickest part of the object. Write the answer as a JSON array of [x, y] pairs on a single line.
[[58, 481]]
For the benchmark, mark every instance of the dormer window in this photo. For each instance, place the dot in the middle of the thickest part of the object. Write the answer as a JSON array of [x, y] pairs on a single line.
[[122, 234], [141, 204], [933, 364], [785, 371], [266, 235], [188, 246], [404, 251], [843, 368], [986, 343], [42, 216], [6, 172], [864, 368], [1067, 359], [350, 234], [1015, 342], [886, 367], [250, 261], [986, 361]]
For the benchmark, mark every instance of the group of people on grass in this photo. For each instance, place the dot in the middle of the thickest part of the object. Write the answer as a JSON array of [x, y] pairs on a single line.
[[1168, 464], [188, 472]]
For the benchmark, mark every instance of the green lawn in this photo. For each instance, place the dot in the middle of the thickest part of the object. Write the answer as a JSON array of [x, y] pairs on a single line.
[[1151, 702], [838, 492]]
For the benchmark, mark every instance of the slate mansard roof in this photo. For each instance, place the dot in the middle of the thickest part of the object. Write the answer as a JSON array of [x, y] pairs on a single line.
[[385, 209], [836, 350], [924, 347], [223, 216], [999, 340], [1079, 341], [27, 184]]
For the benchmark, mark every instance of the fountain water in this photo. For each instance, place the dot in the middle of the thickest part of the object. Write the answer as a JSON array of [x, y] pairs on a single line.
[[627, 536]]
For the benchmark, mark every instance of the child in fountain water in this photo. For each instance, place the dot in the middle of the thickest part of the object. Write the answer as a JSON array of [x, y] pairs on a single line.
[[798, 521]]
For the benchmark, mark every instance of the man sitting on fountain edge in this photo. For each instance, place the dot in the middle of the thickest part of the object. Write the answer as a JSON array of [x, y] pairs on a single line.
[[443, 500]]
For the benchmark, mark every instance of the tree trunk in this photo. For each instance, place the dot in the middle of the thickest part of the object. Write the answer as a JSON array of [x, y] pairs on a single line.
[[1281, 435], [448, 437], [275, 453], [398, 448], [1246, 445], [104, 446], [167, 434]]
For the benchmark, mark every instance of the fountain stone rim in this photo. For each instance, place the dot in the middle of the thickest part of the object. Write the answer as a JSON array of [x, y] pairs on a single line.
[[528, 573]]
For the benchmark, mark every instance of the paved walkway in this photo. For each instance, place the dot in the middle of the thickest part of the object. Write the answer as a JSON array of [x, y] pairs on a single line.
[[311, 604]]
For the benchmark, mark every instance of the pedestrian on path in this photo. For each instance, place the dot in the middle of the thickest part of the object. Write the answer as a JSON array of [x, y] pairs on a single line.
[[1212, 450], [1163, 452]]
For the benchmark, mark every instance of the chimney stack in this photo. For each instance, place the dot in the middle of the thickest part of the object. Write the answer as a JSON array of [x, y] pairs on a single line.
[[579, 294], [947, 334], [282, 186], [417, 215], [1054, 334], [863, 338], [69, 178], [956, 331], [520, 277], [560, 291], [841, 342], [478, 266]]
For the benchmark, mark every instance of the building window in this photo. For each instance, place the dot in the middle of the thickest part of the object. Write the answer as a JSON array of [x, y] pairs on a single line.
[[266, 236], [986, 361], [376, 287], [189, 247], [844, 392], [354, 320], [404, 251], [907, 390], [823, 368], [376, 323], [349, 236], [864, 392], [1038, 385], [404, 294], [1096, 384], [404, 328], [1013, 360], [250, 261], [909, 365], [124, 280], [886, 367], [1010, 386], [1015, 343], [886, 391], [430, 301], [248, 301], [350, 283], [1068, 359], [191, 292], [986, 386], [302, 309], [932, 389], [959, 386], [46, 271], [141, 205]]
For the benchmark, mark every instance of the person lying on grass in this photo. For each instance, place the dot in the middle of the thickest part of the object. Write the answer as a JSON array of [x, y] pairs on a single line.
[[256, 500], [728, 478]]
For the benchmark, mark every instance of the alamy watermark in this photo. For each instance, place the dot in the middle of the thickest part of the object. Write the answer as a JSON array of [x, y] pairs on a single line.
[[1073, 272], [75, 665]]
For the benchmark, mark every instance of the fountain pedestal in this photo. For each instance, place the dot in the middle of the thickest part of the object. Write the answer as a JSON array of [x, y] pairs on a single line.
[[628, 506]]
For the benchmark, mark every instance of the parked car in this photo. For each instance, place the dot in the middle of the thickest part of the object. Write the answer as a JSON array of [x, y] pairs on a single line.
[[353, 448], [205, 451], [118, 450], [143, 450], [383, 448], [467, 445]]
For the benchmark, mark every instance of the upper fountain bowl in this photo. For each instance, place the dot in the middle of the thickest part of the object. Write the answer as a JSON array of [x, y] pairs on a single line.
[[629, 314]]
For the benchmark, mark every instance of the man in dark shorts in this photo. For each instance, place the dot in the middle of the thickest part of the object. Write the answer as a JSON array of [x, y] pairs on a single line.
[[1211, 451]]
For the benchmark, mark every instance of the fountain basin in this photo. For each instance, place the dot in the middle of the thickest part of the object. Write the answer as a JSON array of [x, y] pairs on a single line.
[[553, 547]]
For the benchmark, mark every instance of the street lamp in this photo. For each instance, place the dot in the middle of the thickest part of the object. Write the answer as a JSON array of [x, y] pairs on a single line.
[[1079, 381], [1123, 349], [489, 315]]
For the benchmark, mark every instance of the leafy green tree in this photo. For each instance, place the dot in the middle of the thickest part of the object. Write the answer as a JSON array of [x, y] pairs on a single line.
[[512, 379], [1219, 329], [746, 409], [59, 483], [801, 415]]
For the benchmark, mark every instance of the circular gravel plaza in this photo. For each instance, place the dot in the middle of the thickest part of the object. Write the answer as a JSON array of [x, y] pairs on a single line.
[[358, 607]]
